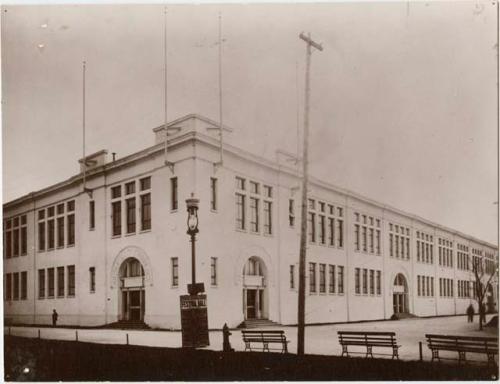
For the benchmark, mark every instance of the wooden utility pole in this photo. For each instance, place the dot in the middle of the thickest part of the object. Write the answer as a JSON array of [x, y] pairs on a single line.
[[303, 224]]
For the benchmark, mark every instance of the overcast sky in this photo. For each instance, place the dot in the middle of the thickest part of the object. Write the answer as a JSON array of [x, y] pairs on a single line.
[[403, 106]]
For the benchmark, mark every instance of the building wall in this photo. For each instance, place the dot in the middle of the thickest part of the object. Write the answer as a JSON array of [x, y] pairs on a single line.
[[218, 237]]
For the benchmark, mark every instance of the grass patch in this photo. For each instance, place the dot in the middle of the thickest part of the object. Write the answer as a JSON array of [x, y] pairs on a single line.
[[54, 360]]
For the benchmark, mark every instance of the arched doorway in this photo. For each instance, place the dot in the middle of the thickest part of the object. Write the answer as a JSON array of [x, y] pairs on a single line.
[[133, 298], [254, 289], [400, 294]]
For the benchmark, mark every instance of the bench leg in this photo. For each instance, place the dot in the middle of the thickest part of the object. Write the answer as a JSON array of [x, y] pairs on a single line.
[[344, 350], [435, 354], [491, 360], [247, 346], [395, 352], [369, 351], [461, 357], [266, 347], [285, 347]]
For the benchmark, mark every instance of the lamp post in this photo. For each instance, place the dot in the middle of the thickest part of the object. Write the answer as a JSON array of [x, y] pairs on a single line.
[[194, 316], [192, 204]]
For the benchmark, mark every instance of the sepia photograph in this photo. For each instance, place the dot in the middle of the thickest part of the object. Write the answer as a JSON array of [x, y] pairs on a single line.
[[292, 191]]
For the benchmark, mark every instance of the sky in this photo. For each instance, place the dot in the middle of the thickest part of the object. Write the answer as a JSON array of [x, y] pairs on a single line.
[[403, 96]]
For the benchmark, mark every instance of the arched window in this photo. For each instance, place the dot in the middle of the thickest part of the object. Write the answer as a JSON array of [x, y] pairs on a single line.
[[132, 268]]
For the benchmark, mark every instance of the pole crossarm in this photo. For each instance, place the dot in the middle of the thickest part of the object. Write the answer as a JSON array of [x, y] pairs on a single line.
[[310, 41]]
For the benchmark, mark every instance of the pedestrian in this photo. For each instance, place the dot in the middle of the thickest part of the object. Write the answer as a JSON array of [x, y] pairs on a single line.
[[54, 317], [470, 313], [482, 313]]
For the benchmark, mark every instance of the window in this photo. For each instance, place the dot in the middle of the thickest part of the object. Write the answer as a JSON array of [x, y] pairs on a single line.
[[322, 278], [24, 239], [175, 271], [60, 232], [399, 241], [240, 183], [213, 271], [268, 217], [16, 285], [254, 214], [291, 212], [292, 277], [51, 235], [331, 281], [213, 193], [60, 281], [145, 211], [50, 273], [130, 188], [8, 287], [311, 225], [254, 187], [365, 281], [41, 283], [24, 285], [145, 183], [379, 283], [357, 277], [356, 237], [372, 282], [240, 211], [8, 240], [116, 192], [173, 194], [341, 279], [91, 214], [312, 277], [92, 279], [117, 218], [130, 206], [71, 281], [268, 191], [71, 229]]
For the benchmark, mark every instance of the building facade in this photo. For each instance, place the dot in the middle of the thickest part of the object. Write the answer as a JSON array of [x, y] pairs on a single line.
[[116, 248]]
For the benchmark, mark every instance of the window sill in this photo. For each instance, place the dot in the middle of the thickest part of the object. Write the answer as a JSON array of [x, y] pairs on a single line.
[[60, 297], [213, 210], [116, 236], [70, 296], [60, 247], [145, 231], [130, 234], [174, 287], [70, 245], [50, 297], [241, 230], [92, 229], [24, 254], [174, 210]]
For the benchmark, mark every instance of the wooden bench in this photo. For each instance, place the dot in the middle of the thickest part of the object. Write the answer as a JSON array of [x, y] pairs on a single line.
[[265, 338], [368, 340], [463, 344]]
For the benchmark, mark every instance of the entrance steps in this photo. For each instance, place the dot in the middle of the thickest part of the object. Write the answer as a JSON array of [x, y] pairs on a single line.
[[127, 324], [257, 323], [399, 316]]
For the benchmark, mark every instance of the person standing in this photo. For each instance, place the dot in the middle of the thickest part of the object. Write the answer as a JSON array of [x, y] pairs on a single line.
[[54, 317], [470, 313]]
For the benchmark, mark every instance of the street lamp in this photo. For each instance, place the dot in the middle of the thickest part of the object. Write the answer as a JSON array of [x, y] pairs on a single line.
[[192, 204], [194, 317]]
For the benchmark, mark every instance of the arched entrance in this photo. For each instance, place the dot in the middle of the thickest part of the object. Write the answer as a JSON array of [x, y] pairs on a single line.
[[254, 289], [400, 294], [132, 292]]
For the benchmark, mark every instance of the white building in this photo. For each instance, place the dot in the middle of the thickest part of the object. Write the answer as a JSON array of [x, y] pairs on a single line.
[[122, 253]]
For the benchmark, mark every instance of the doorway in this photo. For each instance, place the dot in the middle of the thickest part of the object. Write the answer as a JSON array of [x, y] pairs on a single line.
[[400, 295], [254, 290], [133, 297]]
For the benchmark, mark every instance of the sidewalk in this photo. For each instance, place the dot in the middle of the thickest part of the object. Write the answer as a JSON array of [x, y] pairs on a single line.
[[320, 340]]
